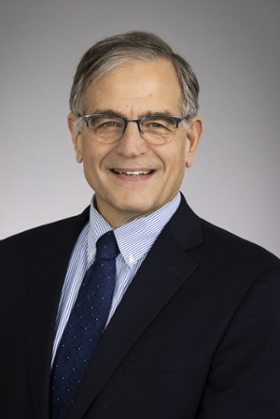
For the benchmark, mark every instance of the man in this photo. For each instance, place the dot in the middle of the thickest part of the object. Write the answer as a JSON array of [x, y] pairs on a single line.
[[191, 328]]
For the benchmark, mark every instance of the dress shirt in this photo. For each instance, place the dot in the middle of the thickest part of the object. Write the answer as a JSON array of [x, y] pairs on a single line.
[[134, 239]]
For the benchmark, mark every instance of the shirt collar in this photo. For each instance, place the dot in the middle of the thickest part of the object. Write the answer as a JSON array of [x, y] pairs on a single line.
[[134, 238]]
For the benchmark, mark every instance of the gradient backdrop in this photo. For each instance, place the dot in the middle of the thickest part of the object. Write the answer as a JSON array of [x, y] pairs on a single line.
[[234, 47]]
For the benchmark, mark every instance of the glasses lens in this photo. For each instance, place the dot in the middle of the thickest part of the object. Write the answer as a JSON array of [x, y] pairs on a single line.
[[158, 129], [106, 129]]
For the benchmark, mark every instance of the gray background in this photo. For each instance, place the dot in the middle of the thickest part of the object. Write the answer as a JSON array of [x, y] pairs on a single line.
[[233, 46]]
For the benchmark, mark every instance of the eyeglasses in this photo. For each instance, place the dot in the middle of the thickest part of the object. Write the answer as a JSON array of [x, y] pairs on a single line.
[[156, 130]]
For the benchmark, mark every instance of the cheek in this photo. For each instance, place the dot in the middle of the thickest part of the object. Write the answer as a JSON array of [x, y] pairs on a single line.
[[94, 155], [175, 158], [91, 163], [176, 165]]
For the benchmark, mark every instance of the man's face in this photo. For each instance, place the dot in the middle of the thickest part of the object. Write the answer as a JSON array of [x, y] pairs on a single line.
[[133, 91]]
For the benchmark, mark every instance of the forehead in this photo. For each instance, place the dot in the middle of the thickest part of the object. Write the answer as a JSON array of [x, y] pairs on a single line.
[[137, 84]]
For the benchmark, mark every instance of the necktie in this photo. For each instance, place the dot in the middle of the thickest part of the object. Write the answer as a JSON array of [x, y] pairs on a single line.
[[86, 323]]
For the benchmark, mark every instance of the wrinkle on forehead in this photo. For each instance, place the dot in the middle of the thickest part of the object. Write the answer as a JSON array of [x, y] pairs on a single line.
[[148, 87]]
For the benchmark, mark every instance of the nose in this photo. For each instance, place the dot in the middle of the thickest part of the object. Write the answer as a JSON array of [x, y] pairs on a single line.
[[132, 144]]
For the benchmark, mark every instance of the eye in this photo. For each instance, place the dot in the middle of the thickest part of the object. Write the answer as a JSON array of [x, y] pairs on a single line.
[[161, 124], [155, 124], [110, 123], [105, 123]]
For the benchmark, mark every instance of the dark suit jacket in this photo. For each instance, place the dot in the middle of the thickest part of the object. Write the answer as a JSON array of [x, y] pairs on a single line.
[[196, 336]]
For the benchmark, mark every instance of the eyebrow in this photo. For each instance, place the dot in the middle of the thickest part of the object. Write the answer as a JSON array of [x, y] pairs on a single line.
[[122, 115]]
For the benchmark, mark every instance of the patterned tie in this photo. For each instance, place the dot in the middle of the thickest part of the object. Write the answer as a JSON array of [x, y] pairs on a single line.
[[86, 323]]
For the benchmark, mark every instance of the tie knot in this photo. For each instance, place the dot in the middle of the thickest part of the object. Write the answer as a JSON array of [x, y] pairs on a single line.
[[106, 246]]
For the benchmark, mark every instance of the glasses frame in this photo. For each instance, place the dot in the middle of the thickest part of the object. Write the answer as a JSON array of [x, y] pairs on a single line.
[[86, 118]]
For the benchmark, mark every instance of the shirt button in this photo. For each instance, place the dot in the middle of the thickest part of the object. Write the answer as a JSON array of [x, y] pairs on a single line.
[[131, 259]]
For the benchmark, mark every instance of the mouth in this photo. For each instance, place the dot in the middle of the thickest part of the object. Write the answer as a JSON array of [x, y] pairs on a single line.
[[132, 173]]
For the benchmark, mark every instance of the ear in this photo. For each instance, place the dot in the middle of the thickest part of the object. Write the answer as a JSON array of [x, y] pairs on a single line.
[[76, 137], [193, 134]]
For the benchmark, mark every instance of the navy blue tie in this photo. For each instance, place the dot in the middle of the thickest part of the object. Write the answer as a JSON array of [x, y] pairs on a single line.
[[85, 326]]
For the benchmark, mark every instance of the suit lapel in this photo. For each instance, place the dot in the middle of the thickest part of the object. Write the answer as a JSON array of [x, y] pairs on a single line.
[[165, 269], [50, 265]]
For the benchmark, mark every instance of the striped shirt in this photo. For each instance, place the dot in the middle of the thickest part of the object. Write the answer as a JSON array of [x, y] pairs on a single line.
[[134, 239]]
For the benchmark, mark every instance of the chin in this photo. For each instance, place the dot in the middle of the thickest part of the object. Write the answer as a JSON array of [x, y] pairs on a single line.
[[136, 211]]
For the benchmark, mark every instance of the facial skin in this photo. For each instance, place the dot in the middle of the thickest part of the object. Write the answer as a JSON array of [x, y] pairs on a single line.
[[133, 91]]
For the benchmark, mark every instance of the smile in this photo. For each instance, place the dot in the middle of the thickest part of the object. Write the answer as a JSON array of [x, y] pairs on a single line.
[[132, 173]]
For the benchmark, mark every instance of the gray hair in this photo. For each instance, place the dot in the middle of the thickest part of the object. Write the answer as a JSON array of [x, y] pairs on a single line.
[[117, 50]]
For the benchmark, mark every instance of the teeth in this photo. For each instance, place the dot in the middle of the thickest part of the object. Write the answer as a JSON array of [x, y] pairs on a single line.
[[134, 173]]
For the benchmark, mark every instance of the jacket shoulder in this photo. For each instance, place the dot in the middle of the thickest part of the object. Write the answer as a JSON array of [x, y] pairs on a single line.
[[40, 235], [225, 246]]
